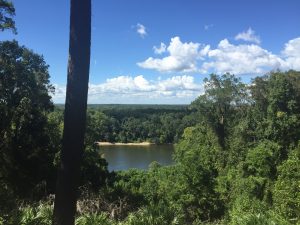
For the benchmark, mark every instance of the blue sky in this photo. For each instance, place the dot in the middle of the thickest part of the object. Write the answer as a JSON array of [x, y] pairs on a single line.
[[155, 51]]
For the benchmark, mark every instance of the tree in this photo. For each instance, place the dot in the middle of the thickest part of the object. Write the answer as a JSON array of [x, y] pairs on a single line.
[[97, 127], [198, 156], [75, 113], [276, 100], [27, 148], [286, 188], [7, 11], [223, 96]]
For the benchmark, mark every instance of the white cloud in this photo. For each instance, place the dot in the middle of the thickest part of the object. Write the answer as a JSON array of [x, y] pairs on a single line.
[[240, 59], [208, 26], [161, 49], [182, 58], [178, 83], [60, 93], [291, 54], [141, 30], [129, 89], [249, 36]]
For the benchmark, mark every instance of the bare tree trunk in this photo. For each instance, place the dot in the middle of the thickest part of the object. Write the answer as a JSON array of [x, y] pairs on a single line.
[[75, 113]]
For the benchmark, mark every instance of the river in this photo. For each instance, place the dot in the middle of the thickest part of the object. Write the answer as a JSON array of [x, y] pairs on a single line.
[[126, 157]]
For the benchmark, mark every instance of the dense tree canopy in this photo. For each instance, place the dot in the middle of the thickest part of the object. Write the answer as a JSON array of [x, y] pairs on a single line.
[[223, 97], [26, 141], [160, 125]]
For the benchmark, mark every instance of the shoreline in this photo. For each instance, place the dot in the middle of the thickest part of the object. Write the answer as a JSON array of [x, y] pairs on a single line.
[[101, 143]]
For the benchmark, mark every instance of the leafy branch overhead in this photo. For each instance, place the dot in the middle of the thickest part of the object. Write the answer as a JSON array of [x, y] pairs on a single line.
[[7, 12]]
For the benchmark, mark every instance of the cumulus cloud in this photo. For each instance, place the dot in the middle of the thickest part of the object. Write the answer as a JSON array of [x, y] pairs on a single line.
[[179, 87], [249, 36], [161, 49], [291, 54], [182, 57], [126, 89], [122, 84], [141, 30], [240, 59]]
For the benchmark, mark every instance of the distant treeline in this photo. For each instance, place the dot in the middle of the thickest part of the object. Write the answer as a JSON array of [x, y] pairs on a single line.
[[135, 123], [131, 106]]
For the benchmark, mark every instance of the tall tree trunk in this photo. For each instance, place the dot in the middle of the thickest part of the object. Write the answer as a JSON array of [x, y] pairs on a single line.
[[75, 113]]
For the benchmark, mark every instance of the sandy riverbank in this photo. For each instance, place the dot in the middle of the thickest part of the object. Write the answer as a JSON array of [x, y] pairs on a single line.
[[119, 144]]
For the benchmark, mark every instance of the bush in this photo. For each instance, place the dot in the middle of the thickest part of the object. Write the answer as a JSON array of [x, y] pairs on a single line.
[[251, 211], [31, 215], [94, 219], [287, 188]]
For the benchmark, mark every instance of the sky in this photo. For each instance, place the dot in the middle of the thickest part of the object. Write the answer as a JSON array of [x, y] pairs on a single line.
[[159, 51]]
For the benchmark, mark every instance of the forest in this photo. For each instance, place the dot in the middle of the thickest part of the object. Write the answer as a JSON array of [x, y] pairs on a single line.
[[237, 151], [159, 124]]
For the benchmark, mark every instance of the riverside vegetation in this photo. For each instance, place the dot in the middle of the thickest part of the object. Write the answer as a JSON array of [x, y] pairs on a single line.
[[237, 152]]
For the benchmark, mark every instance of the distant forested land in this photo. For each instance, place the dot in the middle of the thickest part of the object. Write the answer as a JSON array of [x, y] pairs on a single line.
[[135, 123], [131, 106]]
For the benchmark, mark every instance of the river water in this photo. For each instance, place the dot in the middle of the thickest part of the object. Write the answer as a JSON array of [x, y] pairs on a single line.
[[126, 157]]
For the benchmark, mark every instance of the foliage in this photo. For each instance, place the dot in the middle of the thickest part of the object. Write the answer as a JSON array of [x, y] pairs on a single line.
[[27, 144], [223, 96], [287, 187], [7, 12], [198, 156], [261, 161], [93, 169], [8, 201], [91, 219], [152, 215], [248, 211], [277, 107], [120, 124], [40, 214]]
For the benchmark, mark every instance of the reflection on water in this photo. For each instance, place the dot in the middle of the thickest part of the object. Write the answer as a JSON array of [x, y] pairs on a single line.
[[126, 157]]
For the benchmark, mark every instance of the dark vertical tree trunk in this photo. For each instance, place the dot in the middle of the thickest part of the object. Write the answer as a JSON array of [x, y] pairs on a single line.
[[75, 113]]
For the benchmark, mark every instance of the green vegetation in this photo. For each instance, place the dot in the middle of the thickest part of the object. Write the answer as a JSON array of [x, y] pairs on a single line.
[[7, 12], [135, 123], [237, 153], [27, 135]]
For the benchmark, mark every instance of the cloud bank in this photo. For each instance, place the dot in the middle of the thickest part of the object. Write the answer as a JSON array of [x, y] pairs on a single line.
[[240, 59], [137, 89], [190, 57]]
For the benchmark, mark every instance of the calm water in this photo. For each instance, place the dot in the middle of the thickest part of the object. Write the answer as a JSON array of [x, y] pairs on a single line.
[[126, 157]]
